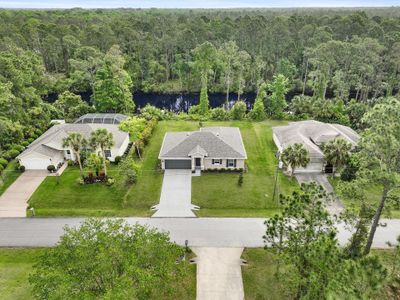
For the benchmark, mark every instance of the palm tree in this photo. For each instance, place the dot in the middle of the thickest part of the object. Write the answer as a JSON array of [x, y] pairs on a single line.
[[102, 139], [294, 156], [94, 163], [76, 142], [337, 152]]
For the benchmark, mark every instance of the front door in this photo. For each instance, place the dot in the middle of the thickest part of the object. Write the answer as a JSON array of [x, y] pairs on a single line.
[[198, 162]]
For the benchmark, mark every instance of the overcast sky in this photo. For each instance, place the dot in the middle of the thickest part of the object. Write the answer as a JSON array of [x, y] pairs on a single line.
[[191, 3]]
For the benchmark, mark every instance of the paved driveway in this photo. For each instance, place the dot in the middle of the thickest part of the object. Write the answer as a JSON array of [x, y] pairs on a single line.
[[219, 274], [176, 195], [334, 207], [13, 202]]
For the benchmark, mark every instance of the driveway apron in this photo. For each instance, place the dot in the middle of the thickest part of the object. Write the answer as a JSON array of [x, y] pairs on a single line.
[[14, 201], [176, 194]]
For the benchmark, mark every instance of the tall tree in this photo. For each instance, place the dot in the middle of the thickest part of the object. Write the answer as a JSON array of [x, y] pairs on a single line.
[[229, 58], [102, 139], [113, 85], [276, 102], [258, 111], [295, 156], [71, 106], [380, 154], [76, 142]]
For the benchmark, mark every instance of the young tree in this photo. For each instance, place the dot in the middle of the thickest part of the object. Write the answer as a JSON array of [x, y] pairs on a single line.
[[94, 162], [337, 152], [258, 111], [113, 86], [238, 111], [135, 126], [107, 259], [129, 170], [294, 156], [244, 60], [102, 139], [276, 102], [76, 142], [380, 154]]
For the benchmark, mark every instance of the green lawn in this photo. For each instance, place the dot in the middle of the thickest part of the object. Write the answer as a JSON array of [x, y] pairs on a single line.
[[68, 198], [261, 284], [8, 176], [373, 195], [218, 194], [16, 265]]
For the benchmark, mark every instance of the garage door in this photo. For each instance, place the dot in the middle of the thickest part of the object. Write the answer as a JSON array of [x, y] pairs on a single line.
[[35, 163], [178, 164]]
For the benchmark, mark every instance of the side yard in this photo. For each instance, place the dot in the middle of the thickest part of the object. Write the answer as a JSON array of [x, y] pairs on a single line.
[[8, 176], [218, 194], [16, 264]]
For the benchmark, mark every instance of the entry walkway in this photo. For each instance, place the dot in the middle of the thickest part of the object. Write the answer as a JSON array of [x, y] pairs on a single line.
[[219, 274], [176, 195], [14, 201]]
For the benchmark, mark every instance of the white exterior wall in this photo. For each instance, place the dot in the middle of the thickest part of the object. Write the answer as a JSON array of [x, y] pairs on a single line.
[[208, 164], [36, 161], [119, 151]]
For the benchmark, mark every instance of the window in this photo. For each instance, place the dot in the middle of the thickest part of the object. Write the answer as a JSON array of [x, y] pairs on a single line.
[[217, 162], [231, 163], [68, 152], [107, 153]]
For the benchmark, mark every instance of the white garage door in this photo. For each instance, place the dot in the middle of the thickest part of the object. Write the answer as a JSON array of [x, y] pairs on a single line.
[[35, 163]]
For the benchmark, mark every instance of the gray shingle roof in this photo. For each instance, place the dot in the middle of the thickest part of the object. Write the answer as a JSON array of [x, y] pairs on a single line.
[[50, 142], [312, 134], [215, 142]]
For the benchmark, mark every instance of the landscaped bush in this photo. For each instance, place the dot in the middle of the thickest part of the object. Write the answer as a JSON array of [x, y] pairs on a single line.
[[18, 148], [110, 181], [3, 162], [238, 111], [51, 168], [117, 159], [70, 162], [150, 112], [219, 114], [22, 169], [1, 168], [25, 143], [11, 154]]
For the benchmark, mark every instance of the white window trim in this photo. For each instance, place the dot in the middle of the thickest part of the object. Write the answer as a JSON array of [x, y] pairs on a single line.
[[229, 163]]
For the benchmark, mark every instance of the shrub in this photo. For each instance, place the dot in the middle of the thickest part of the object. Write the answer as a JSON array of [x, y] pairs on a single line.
[[194, 110], [30, 140], [1, 168], [238, 111], [22, 169], [240, 179], [19, 148], [219, 114], [70, 162], [3, 162], [80, 181], [25, 143], [51, 168], [150, 112], [117, 160], [110, 181], [11, 154]]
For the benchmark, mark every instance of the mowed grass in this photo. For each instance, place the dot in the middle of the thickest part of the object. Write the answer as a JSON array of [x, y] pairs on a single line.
[[65, 197], [260, 282], [218, 194], [8, 176], [16, 265]]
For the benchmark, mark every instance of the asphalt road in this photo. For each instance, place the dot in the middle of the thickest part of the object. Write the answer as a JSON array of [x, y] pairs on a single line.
[[200, 232]]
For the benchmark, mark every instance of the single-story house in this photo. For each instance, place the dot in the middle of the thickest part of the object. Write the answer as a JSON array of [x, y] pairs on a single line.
[[48, 148], [312, 134], [208, 148]]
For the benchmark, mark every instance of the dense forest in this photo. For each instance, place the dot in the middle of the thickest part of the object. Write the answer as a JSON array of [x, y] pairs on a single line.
[[324, 58]]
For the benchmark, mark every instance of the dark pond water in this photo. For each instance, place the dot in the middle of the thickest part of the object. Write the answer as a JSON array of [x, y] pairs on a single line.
[[175, 102]]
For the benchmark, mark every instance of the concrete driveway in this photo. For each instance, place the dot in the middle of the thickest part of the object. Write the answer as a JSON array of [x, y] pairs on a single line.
[[176, 195], [219, 273], [334, 207], [14, 201]]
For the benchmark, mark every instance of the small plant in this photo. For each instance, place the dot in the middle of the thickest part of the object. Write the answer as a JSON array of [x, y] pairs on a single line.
[[117, 160], [70, 162], [80, 181], [51, 168], [110, 181], [240, 179], [22, 169]]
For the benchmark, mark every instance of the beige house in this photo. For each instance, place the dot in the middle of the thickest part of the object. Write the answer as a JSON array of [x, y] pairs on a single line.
[[210, 148]]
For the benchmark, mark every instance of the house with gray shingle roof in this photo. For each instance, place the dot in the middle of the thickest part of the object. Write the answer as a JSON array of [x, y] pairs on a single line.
[[312, 134], [208, 148], [48, 148]]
